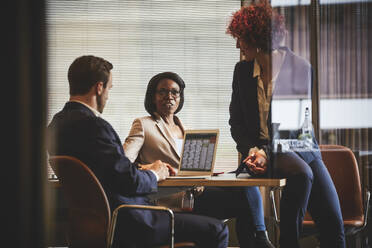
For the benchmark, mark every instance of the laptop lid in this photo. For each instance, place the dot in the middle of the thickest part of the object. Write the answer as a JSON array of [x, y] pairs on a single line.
[[198, 152]]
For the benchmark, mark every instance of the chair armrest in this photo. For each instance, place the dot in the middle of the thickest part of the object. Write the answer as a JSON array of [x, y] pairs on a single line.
[[367, 197], [273, 204], [144, 207]]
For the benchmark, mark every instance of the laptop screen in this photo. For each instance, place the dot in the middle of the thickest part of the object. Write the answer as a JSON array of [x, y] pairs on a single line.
[[199, 150]]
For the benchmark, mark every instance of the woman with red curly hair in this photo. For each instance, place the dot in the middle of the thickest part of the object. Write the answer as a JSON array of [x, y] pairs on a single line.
[[270, 68]]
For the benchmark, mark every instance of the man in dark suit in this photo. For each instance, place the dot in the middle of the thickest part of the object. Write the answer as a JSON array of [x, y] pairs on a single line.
[[79, 131]]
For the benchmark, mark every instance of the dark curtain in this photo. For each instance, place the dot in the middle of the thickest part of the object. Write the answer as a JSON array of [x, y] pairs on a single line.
[[345, 44], [23, 120]]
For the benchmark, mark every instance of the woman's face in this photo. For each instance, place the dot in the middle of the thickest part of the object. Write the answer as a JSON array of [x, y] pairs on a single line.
[[249, 51], [167, 97]]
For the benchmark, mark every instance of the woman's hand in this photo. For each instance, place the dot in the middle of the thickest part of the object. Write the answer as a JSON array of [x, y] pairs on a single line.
[[256, 163]]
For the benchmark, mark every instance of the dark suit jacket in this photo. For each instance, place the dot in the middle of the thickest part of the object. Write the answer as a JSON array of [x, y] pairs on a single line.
[[76, 131], [293, 78]]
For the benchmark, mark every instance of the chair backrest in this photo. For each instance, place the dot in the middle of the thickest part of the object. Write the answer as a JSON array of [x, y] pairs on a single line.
[[89, 209], [343, 168]]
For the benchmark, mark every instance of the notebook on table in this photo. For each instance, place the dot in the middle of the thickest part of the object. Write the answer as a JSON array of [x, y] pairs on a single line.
[[198, 154]]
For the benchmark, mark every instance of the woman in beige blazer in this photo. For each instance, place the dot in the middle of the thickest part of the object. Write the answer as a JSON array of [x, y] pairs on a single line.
[[159, 137], [150, 139]]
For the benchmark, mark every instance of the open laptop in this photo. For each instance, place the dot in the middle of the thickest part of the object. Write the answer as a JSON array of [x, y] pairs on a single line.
[[198, 154]]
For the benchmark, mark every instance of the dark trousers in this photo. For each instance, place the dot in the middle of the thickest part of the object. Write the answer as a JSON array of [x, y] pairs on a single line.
[[309, 187], [203, 230], [204, 225], [242, 203], [151, 228]]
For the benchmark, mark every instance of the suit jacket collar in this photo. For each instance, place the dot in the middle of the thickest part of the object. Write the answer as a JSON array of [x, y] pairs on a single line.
[[78, 106], [95, 112], [165, 131]]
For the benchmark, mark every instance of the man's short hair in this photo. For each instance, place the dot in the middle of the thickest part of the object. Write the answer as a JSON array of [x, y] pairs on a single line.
[[86, 71]]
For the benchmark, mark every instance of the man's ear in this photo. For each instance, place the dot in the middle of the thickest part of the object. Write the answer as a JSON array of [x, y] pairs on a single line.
[[99, 88]]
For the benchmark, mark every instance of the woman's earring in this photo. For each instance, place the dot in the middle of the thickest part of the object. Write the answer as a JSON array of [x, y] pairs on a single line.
[[258, 50]]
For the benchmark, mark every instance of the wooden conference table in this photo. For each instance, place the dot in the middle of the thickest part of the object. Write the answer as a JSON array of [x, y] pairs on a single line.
[[223, 180]]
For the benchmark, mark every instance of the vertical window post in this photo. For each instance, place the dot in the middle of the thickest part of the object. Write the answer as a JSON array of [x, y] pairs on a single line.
[[314, 34]]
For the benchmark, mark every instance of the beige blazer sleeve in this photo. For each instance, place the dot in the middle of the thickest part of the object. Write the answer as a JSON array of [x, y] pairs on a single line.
[[134, 142], [149, 140]]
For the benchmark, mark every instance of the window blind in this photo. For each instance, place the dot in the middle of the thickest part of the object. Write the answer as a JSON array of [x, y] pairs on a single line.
[[141, 39]]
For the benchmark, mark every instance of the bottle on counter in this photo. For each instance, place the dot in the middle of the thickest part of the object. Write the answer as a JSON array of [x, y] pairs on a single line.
[[306, 134]]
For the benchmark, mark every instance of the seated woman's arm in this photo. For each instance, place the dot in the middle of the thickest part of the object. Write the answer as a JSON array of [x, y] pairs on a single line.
[[134, 142]]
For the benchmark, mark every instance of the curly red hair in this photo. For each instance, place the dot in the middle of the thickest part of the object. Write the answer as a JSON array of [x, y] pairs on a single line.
[[258, 25]]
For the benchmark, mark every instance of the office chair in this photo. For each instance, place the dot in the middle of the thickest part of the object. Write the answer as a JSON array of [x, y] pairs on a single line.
[[90, 223], [343, 168]]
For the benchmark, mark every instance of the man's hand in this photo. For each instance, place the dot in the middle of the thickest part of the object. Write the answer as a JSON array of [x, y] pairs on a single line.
[[256, 163], [160, 168]]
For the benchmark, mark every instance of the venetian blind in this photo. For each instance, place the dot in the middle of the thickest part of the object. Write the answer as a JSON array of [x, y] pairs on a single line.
[[141, 39]]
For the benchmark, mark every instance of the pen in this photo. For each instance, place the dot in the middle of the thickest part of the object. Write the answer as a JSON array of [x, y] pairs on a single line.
[[217, 173]]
